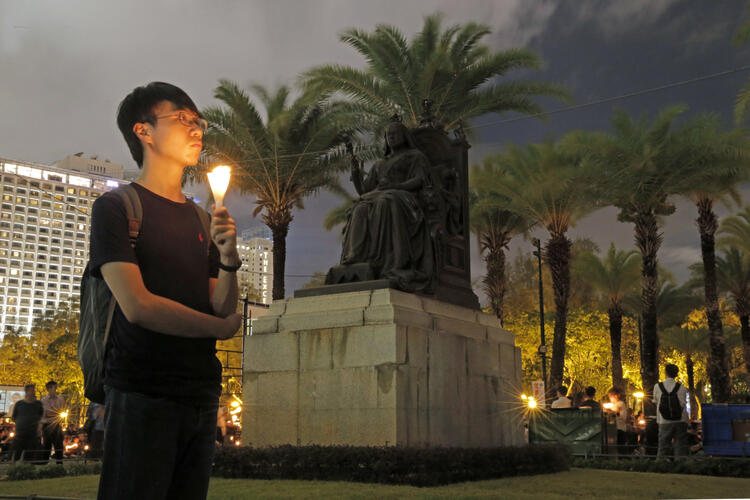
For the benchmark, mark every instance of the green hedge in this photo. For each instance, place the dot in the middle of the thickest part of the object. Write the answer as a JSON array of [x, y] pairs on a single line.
[[391, 465], [28, 471], [708, 466]]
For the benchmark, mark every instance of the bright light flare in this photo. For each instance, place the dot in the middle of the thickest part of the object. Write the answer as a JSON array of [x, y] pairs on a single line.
[[524, 397], [237, 443], [638, 395], [608, 406], [641, 422], [218, 179], [532, 403], [235, 404], [64, 414]]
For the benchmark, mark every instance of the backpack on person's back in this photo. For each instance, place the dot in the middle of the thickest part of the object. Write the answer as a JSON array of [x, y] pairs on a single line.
[[669, 403]]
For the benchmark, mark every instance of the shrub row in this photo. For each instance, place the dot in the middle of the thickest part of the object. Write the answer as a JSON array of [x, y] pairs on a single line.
[[390, 465], [28, 471], [724, 467]]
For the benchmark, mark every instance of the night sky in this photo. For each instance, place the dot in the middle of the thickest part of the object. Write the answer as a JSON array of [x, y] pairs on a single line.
[[64, 67]]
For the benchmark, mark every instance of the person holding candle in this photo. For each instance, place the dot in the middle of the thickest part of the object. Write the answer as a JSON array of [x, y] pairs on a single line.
[[176, 293]]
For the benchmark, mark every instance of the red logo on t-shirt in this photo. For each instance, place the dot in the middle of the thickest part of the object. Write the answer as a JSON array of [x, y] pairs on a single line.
[[200, 237]]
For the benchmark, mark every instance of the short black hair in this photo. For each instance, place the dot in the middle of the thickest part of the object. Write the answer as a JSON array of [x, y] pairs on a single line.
[[671, 370], [590, 391], [563, 390], [48, 384], [29, 386], [138, 107]]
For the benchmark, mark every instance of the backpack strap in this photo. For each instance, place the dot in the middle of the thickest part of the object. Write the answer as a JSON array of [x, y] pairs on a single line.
[[205, 222], [676, 388], [663, 389], [133, 210]]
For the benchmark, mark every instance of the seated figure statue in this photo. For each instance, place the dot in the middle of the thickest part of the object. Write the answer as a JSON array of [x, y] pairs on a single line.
[[386, 232]]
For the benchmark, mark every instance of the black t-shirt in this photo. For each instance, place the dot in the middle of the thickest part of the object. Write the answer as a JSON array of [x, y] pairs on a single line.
[[176, 259], [590, 403], [27, 416]]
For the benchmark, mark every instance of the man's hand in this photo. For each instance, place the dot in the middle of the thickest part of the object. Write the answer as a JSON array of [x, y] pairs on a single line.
[[224, 235], [230, 326]]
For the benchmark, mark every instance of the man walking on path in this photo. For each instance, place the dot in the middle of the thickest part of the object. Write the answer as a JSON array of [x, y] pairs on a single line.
[[671, 401], [176, 293], [27, 414], [52, 421]]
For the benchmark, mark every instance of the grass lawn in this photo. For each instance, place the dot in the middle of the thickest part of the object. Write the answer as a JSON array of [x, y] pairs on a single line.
[[588, 483]]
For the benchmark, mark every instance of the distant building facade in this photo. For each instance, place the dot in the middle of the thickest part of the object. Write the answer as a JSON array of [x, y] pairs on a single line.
[[256, 274], [44, 233]]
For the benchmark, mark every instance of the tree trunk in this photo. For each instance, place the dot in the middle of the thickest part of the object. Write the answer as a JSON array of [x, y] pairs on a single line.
[[494, 281], [615, 337], [558, 258], [745, 331], [691, 387], [718, 364], [648, 240], [279, 230]]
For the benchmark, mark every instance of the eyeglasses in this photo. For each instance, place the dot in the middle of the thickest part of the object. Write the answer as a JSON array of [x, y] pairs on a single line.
[[188, 120]]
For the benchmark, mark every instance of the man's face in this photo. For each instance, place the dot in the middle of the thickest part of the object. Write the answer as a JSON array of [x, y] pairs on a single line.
[[52, 390], [31, 392], [172, 139]]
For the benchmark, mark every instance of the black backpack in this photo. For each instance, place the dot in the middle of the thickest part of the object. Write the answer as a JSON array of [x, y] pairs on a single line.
[[669, 403], [98, 304]]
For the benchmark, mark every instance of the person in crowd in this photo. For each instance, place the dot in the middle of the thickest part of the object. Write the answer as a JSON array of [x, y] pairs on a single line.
[[176, 292], [588, 399], [618, 407], [577, 399], [221, 425], [562, 400], [52, 421], [96, 430], [27, 415], [671, 401]]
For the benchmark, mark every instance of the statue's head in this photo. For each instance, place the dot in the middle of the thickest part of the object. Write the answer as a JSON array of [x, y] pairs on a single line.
[[396, 135]]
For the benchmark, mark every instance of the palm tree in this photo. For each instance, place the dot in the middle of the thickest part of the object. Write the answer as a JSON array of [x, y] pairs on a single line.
[[735, 231], [613, 276], [716, 161], [733, 275], [495, 224], [297, 150], [449, 67], [638, 176], [545, 185], [689, 342]]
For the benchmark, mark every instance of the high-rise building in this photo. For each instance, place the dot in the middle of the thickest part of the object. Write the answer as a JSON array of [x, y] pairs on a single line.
[[256, 273], [44, 233]]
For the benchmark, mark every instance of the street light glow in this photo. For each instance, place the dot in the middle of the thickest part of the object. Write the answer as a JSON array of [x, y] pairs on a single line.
[[532, 403], [638, 395]]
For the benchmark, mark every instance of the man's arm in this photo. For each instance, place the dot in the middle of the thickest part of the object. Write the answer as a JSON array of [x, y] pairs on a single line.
[[160, 314]]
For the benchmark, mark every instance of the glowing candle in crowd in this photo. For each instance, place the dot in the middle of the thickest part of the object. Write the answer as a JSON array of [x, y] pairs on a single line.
[[608, 406], [218, 178]]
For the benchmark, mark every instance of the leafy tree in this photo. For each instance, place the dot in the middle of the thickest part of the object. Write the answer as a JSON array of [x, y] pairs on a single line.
[[638, 174], [545, 185], [715, 162], [613, 276], [297, 150], [495, 223], [449, 66], [734, 231], [733, 275]]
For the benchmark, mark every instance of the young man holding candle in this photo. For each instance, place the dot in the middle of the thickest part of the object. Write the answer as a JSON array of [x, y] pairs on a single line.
[[176, 293]]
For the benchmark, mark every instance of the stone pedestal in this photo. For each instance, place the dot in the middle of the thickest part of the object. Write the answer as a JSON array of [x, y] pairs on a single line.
[[380, 367]]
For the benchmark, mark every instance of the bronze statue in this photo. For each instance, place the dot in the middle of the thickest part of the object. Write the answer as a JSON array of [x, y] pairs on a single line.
[[409, 227], [387, 228]]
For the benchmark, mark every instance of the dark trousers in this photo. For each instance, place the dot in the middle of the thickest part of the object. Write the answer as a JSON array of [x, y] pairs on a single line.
[[156, 448], [52, 436], [677, 432], [28, 444]]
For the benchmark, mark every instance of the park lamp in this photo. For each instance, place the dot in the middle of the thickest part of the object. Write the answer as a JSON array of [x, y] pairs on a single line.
[[524, 397], [638, 395], [532, 403], [218, 179]]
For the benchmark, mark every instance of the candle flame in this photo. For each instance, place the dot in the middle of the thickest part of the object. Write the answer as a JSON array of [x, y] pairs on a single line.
[[218, 179]]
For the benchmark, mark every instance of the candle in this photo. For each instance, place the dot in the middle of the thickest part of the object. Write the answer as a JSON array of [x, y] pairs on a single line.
[[218, 179]]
